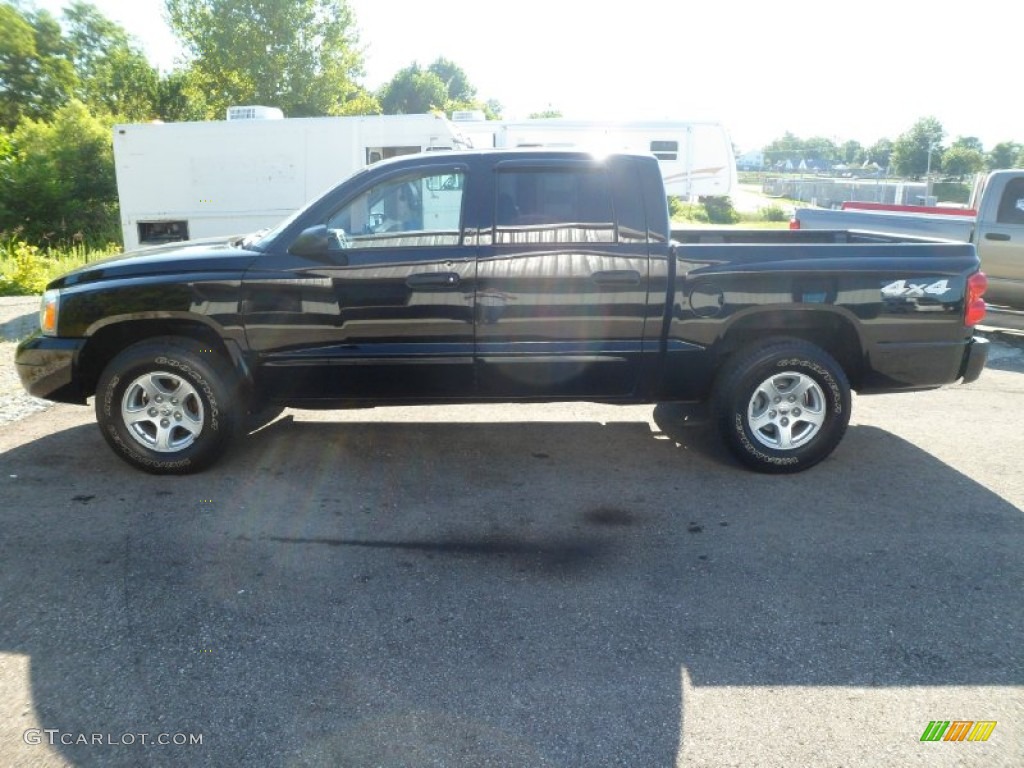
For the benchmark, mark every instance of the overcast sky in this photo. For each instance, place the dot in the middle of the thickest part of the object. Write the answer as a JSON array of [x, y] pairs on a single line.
[[817, 68]]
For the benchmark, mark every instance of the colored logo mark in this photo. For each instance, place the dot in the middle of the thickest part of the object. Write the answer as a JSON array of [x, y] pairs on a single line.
[[958, 730]]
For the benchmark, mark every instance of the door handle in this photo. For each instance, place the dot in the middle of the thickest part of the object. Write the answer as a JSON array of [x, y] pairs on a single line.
[[996, 236], [617, 277], [433, 280]]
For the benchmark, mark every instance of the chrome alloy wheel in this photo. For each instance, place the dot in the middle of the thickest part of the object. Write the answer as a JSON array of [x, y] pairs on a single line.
[[786, 411], [162, 411]]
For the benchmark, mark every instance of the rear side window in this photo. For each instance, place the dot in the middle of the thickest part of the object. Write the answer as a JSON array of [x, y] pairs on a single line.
[[1011, 207], [553, 206]]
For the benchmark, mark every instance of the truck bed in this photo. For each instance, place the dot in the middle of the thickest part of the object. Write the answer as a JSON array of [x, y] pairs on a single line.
[[942, 226], [839, 235]]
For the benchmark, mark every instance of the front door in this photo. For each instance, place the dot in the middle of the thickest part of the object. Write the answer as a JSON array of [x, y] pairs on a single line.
[[386, 314]]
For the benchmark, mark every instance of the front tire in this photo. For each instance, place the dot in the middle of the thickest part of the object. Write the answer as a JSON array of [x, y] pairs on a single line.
[[166, 407], [782, 408]]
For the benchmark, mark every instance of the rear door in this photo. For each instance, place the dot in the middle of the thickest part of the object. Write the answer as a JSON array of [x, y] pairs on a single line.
[[562, 285]]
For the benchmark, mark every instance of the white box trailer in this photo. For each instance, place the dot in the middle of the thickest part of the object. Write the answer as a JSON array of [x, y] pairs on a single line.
[[696, 158], [181, 181]]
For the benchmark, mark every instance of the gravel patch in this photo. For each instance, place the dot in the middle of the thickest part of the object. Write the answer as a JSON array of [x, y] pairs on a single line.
[[19, 317]]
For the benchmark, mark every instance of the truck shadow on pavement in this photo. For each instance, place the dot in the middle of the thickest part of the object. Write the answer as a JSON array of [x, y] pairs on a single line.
[[354, 593]]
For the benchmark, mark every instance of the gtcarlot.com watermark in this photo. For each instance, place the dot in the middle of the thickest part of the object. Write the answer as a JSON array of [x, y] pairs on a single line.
[[56, 737]]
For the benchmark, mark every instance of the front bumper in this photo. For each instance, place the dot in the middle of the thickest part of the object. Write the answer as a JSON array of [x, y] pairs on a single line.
[[46, 366], [975, 357]]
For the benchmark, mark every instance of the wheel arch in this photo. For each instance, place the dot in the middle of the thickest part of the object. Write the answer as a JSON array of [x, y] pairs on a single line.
[[830, 331], [108, 341]]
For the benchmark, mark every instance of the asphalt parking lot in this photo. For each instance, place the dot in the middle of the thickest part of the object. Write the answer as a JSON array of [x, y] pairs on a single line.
[[566, 585]]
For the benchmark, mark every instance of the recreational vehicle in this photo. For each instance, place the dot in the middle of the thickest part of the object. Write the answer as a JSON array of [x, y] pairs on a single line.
[[696, 158], [182, 181]]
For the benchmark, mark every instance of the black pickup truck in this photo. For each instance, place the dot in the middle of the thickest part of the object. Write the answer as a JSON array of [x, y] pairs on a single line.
[[499, 276]]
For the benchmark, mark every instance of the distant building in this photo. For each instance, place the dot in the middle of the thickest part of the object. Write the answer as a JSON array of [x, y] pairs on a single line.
[[814, 166], [750, 161]]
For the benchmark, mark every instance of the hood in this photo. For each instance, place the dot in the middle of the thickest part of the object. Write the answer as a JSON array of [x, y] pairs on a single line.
[[220, 254]]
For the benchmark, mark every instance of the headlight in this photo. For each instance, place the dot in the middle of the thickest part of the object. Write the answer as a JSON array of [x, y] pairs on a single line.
[[48, 311]]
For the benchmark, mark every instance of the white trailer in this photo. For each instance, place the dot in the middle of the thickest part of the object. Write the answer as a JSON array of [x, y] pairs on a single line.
[[696, 158], [181, 181]]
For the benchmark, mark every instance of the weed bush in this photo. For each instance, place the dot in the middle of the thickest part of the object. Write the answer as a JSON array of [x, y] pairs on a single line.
[[26, 273], [720, 210], [25, 269]]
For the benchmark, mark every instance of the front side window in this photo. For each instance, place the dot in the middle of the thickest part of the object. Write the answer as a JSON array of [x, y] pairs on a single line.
[[418, 209], [553, 206]]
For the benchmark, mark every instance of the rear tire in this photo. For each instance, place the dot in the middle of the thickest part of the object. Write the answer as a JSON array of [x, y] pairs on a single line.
[[782, 408], [166, 407]]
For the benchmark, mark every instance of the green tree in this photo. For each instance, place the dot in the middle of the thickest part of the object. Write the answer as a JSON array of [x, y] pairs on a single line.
[[965, 156], [962, 161], [545, 114], [457, 87], [821, 150], [493, 109], [58, 181], [18, 75], [795, 150], [41, 67], [789, 147], [910, 152], [1005, 154], [299, 55], [115, 75], [413, 91], [36, 76], [179, 97], [852, 153], [970, 143], [124, 84], [880, 153], [6, 158], [91, 36], [441, 87]]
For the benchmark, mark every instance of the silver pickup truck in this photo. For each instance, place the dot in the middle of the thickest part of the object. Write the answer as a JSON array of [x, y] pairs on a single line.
[[997, 230]]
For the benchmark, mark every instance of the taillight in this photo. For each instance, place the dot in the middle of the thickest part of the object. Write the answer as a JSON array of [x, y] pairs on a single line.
[[794, 223], [975, 302]]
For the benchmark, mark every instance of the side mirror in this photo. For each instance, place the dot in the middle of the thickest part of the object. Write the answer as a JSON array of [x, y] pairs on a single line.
[[311, 243]]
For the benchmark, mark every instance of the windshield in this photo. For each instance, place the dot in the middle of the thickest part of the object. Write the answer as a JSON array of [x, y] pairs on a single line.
[[258, 241]]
